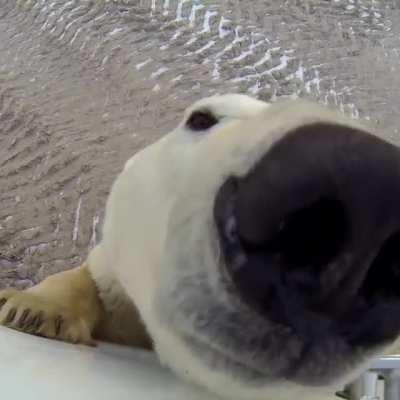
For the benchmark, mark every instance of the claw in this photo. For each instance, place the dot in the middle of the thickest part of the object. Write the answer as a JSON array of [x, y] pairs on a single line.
[[58, 324], [39, 320], [31, 323], [22, 319], [10, 316], [2, 302]]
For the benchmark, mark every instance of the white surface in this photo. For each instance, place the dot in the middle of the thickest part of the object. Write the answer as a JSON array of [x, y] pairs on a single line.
[[34, 368]]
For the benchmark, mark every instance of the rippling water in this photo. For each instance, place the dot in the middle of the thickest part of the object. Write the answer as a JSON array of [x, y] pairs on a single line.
[[85, 84]]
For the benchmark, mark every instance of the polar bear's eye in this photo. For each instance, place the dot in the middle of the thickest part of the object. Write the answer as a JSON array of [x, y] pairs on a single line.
[[201, 120]]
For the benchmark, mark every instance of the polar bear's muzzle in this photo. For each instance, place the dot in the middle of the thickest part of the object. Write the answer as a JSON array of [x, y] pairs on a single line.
[[310, 237]]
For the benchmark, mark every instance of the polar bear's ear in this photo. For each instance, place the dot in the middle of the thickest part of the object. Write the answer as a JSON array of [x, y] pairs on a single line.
[[201, 120]]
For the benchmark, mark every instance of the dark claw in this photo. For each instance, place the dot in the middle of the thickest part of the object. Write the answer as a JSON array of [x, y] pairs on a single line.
[[11, 315], [31, 323], [39, 320], [23, 318], [35, 322], [2, 302], [58, 323]]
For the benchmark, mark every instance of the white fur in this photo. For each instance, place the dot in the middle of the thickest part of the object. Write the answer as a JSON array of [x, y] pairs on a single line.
[[182, 172]]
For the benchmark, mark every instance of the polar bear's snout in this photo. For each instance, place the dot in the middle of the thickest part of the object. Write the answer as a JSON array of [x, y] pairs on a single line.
[[310, 235], [278, 232]]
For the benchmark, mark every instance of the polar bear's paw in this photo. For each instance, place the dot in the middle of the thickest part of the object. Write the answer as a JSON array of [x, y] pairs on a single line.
[[64, 306], [35, 314]]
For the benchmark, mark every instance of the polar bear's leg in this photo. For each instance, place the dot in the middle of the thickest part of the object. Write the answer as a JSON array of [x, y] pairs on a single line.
[[120, 321], [64, 306], [76, 306]]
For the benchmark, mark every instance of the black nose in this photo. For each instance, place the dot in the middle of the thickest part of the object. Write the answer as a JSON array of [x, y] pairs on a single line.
[[311, 235]]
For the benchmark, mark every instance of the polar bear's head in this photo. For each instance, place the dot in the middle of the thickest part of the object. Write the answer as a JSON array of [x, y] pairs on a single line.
[[269, 238]]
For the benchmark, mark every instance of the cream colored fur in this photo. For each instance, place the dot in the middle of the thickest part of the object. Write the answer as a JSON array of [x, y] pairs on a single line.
[[159, 190]]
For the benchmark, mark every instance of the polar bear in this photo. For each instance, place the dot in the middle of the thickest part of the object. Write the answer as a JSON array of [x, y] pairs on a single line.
[[254, 248]]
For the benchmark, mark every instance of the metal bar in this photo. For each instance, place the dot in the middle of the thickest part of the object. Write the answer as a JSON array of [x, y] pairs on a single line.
[[366, 387], [387, 362], [392, 385]]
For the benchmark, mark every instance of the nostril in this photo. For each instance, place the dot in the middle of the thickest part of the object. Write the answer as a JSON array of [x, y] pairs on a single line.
[[298, 231], [383, 278], [310, 236]]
